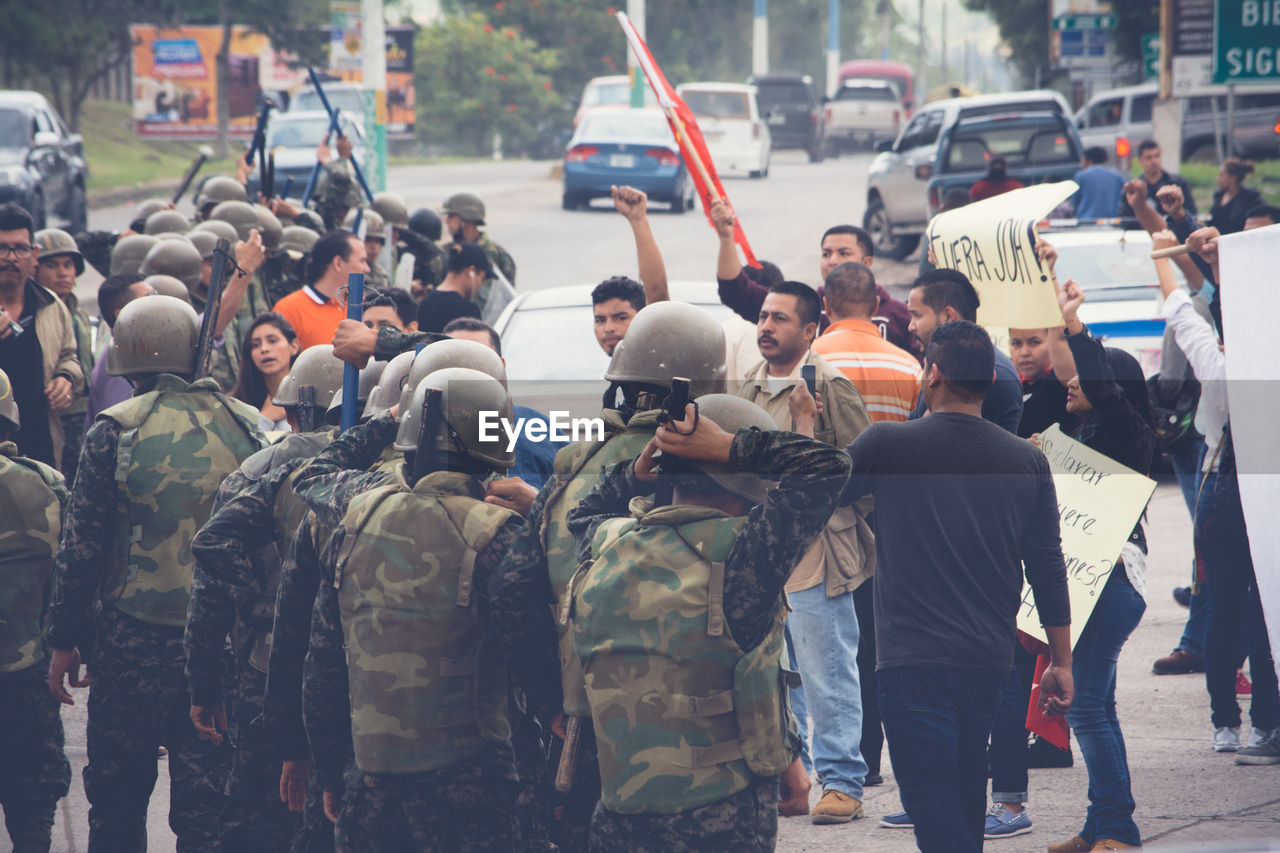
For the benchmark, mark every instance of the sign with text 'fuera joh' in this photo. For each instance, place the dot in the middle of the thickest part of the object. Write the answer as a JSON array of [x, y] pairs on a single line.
[[993, 243]]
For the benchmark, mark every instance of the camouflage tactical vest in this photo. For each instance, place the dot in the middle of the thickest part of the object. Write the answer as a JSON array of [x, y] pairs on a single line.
[[683, 716], [31, 504], [177, 443], [427, 683], [580, 467]]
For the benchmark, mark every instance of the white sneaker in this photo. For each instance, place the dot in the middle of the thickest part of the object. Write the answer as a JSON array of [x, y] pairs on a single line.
[[1256, 736], [1226, 739]]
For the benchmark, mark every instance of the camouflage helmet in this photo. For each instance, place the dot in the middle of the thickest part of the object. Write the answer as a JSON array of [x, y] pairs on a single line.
[[425, 222], [8, 405], [316, 367], [391, 383], [163, 221], [309, 219], [144, 210], [669, 339], [732, 413], [240, 214], [178, 258], [269, 226], [204, 240], [219, 188], [155, 334], [297, 241], [468, 206], [369, 377], [454, 352], [54, 242], [372, 223], [129, 251], [392, 209], [338, 184], [466, 393], [221, 229], [167, 285]]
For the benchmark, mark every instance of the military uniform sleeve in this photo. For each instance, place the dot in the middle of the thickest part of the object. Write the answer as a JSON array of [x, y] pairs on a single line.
[[86, 549], [68, 362], [610, 498], [290, 637], [779, 531], [391, 342], [339, 472], [325, 691]]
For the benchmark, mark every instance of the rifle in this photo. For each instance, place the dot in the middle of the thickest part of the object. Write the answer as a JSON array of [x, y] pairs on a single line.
[[425, 459], [213, 301], [672, 411], [259, 141], [306, 408], [569, 753], [268, 177], [204, 153], [351, 373]]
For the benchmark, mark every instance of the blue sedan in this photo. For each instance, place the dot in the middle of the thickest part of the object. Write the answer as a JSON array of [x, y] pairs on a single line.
[[631, 147]]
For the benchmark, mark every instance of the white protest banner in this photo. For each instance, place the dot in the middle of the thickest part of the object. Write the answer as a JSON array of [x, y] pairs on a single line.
[[993, 243], [1247, 261], [1099, 502]]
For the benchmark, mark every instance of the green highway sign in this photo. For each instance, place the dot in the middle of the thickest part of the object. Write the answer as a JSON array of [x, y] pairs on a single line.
[[1084, 22], [1246, 41], [1151, 55]]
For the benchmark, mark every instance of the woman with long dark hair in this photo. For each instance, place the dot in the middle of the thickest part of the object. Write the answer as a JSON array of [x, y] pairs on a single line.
[[1232, 200], [1108, 393], [265, 356]]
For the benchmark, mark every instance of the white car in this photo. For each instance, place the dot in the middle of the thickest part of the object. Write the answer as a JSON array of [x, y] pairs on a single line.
[[293, 137], [611, 92], [729, 116]]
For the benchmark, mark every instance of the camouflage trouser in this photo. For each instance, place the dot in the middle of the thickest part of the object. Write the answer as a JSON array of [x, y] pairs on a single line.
[[72, 435], [571, 826], [315, 832], [743, 823], [34, 771], [139, 699], [255, 818], [402, 814], [533, 799]]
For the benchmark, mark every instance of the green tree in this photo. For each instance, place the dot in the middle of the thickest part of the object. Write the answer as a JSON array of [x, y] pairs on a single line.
[[1024, 27], [1134, 19], [475, 79]]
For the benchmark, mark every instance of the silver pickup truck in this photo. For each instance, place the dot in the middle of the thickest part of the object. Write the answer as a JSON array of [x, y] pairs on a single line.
[[862, 111]]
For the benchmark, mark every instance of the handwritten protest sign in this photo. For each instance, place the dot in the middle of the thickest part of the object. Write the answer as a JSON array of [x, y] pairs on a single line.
[[1099, 502], [993, 243]]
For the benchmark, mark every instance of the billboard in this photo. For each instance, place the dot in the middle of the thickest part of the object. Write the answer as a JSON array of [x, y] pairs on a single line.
[[400, 91]]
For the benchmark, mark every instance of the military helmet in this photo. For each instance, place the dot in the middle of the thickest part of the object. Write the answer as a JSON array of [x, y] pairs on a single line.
[[269, 225], [371, 221], [732, 413], [174, 235], [144, 210], [338, 184], [240, 214], [156, 334], [167, 285], [454, 352], [178, 258], [221, 229], [8, 405], [129, 251], [469, 206], [316, 367], [166, 220], [369, 377], [53, 242], [205, 242], [219, 188], [392, 209], [309, 219], [466, 393], [391, 383], [297, 241], [669, 339], [425, 222]]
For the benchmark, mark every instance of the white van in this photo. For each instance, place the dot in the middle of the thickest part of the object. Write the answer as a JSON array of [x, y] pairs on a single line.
[[729, 116]]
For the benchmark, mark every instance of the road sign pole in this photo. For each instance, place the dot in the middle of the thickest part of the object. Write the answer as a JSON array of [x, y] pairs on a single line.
[[760, 38], [374, 78]]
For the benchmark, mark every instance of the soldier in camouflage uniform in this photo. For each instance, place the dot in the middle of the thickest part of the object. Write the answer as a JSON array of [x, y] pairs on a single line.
[[36, 772], [678, 624], [430, 735], [419, 239], [375, 239], [148, 475], [665, 339], [237, 563], [463, 216], [337, 191]]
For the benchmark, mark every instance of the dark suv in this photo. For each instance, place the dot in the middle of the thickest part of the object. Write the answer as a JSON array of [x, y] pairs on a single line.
[[42, 166], [792, 112]]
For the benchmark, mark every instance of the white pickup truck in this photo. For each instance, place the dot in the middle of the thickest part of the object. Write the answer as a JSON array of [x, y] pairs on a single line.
[[863, 110]]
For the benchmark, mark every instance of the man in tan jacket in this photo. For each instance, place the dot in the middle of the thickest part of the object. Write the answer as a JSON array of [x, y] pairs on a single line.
[[37, 342], [822, 628]]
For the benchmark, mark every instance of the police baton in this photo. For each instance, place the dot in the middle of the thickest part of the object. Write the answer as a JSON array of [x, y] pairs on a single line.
[[351, 373], [569, 754], [333, 123]]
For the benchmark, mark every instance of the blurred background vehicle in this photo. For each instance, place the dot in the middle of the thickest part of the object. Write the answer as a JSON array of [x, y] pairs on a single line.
[[612, 92], [42, 165], [899, 74], [794, 115], [736, 134], [863, 111], [345, 97], [293, 137], [625, 147]]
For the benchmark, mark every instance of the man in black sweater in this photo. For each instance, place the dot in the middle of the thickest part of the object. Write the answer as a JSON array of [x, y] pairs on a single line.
[[961, 507]]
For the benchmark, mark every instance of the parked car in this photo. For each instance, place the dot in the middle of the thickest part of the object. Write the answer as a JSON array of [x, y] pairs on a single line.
[[898, 179], [794, 115], [344, 97], [736, 134], [863, 111], [42, 165], [632, 147], [611, 92], [900, 74], [293, 138]]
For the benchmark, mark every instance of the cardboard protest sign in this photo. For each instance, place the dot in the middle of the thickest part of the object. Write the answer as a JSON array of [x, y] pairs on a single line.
[[1099, 502], [993, 243]]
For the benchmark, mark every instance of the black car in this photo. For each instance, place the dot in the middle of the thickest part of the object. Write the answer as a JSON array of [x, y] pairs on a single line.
[[42, 166], [794, 115]]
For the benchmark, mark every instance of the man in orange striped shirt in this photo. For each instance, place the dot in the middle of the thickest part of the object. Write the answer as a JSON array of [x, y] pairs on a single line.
[[887, 376]]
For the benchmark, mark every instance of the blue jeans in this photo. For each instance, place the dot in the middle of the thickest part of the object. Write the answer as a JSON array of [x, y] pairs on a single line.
[[1009, 731], [1093, 711], [822, 636], [937, 721], [1186, 458]]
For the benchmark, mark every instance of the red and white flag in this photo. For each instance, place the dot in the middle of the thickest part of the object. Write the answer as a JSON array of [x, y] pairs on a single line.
[[684, 126]]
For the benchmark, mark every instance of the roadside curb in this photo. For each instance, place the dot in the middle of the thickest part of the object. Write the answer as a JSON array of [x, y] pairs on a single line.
[[163, 187]]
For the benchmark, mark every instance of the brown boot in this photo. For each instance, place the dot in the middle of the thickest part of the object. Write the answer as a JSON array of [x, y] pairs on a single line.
[[1105, 844], [835, 807], [1074, 845]]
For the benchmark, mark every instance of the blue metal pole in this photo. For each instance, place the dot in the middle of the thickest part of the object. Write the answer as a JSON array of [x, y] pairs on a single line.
[[315, 81], [315, 170], [351, 373]]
